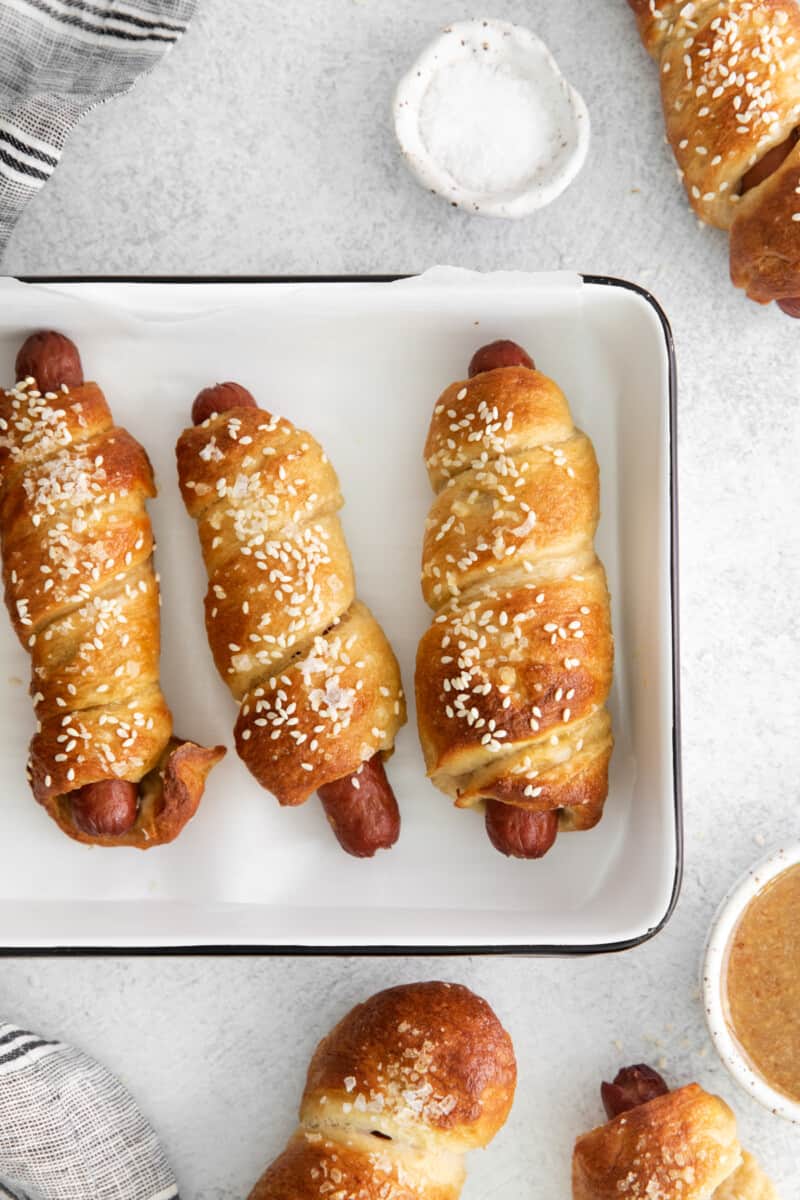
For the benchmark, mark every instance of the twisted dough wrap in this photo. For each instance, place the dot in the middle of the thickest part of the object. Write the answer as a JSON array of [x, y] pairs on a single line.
[[678, 1146], [513, 675], [395, 1096], [317, 681], [730, 84], [81, 591]]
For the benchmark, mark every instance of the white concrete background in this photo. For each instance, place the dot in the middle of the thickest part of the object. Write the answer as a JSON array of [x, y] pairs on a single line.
[[263, 145]]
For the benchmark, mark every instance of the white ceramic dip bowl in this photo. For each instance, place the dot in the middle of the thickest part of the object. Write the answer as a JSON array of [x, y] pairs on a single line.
[[714, 972], [486, 119]]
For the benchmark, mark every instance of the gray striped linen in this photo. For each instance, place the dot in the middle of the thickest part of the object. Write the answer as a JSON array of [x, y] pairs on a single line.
[[58, 59], [69, 1130]]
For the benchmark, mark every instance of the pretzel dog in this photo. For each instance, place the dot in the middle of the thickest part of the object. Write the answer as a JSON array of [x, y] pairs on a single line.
[[83, 597]]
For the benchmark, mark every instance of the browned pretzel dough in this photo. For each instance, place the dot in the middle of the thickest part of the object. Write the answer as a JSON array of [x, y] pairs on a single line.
[[730, 88], [513, 675], [396, 1094], [319, 686], [82, 594], [664, 1144]]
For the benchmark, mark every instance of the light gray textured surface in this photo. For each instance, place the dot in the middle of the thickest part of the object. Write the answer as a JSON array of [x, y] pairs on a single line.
[[263, 145]]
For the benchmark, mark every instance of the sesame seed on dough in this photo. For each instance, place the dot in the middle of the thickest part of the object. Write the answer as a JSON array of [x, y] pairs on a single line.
[[498, 636], [67, 586], [288, 649]]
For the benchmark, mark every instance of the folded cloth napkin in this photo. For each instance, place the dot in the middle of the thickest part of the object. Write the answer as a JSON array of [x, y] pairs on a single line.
[[58, 59], [69, 1130]]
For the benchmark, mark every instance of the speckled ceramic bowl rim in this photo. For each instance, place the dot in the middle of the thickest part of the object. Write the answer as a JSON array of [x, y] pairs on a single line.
[[406, 109], [725, 921]]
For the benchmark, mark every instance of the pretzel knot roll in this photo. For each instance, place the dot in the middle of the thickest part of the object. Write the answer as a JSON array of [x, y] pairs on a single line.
[[395, 1096], [318, 685], [681, 1144], [730, 85], [81, 591], [513, 675]]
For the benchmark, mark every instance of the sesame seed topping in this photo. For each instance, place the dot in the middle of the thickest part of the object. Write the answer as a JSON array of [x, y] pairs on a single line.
[[264, 525], [498, 638]]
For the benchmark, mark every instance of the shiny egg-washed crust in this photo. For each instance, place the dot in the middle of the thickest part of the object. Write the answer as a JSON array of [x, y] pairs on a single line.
[[318, 683], [730, 85], [476, 420], [481, 519], [681, 1146], [428, 1064], [332, 709], [342, 1166], [513, 675], [82, 595], [396, 1094]]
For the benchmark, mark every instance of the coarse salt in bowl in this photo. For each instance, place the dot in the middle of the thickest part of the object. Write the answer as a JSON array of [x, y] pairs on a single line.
[[486, 119]]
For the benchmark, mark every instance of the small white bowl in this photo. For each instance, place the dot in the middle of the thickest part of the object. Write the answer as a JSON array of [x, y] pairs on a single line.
[[565, 119], [727, 918]]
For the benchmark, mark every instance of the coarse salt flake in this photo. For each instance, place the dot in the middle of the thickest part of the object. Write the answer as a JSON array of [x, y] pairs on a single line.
[[488, 125]]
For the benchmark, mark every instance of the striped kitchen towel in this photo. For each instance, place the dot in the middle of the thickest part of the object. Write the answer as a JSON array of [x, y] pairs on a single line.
[[69, 1130], [58, 59]]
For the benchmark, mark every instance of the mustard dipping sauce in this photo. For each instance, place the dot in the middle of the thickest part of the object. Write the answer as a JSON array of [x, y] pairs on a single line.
[[762, 982]]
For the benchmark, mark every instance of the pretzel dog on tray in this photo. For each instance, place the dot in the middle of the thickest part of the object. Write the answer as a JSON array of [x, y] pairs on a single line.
[[82, 594], [513, 675], [317, 682]]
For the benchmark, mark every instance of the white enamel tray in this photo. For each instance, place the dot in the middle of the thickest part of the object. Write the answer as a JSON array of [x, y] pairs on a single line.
[[360, 364]]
